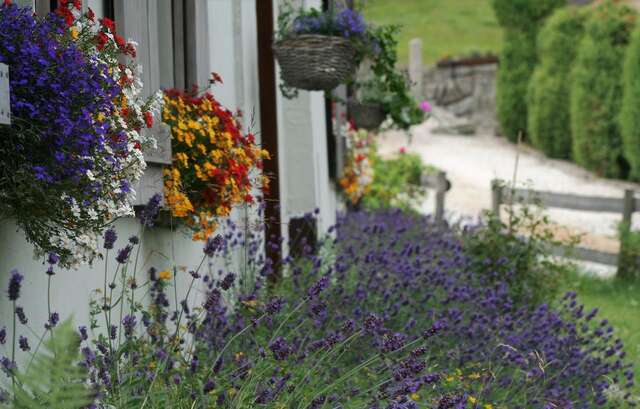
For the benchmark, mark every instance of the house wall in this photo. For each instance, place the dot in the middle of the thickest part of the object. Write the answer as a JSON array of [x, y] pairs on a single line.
[[302, 137], [232, 52]]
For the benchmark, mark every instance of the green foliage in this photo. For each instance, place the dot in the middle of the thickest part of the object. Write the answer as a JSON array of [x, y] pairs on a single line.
[[517, 251], [524, 15], [516, 65], [54, 379], [396, 183], [629, 265], [392, 84], [630, 111], [548, 95], [596, 89], [521, 20]]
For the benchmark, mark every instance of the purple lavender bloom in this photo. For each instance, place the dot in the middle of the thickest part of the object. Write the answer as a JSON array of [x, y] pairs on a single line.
[[15, 283], [83, 333], [53, 259], [124, 254], [129, 324], [23, 342], [213, 245], [280, 348], [110, 237], [150, 212], [54, 318], [22, 317]]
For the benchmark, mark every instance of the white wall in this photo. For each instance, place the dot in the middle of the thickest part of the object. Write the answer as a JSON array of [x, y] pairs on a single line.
[[302, 139]]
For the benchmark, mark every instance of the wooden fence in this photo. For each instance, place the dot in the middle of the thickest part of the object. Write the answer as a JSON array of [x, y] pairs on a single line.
[[439, 182], [626, 206]]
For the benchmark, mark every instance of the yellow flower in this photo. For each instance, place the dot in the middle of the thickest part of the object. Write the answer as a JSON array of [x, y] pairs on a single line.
[[488, 406], [74, 32], [415, 396], [474, 375], [164, 275], [250, 303], [472, 400], [232, 392]]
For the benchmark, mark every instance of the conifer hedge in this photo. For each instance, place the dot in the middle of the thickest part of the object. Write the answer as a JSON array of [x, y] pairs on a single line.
[[548, 95], [521, 20], [596, 89], [630, 111]]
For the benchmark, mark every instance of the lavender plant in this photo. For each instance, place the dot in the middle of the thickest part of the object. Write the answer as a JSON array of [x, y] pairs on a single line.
[[390, 312]]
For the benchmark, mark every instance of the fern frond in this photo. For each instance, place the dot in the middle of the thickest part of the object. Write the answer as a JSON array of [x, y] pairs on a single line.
[[55, 380]]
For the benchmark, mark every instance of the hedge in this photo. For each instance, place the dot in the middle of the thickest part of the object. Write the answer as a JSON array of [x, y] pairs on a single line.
[[630, 111], [516, 65], [520, 19], [548, 95], [596, 90]]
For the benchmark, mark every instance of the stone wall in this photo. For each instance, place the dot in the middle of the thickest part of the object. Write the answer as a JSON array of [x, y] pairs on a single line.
[[467, 92]]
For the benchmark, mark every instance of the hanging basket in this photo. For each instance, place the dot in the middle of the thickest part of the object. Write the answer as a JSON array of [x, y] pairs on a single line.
[[315, 62], [366, 116]]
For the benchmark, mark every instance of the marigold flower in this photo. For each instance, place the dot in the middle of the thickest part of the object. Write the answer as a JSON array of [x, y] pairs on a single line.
[[164, 275]]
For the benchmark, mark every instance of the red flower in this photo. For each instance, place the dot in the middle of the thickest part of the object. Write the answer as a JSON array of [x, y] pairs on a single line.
[[248, 198], [130, 49], [7, 2], [215, 77], [148, 119], [137, 145], [91, 15], [119, 40], [108, 24], [124, 112], [102, 40], [403, 150], [66, 14]]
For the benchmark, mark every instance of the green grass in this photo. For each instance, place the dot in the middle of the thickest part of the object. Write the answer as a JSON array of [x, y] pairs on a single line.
[[617, 302], [446, 27]]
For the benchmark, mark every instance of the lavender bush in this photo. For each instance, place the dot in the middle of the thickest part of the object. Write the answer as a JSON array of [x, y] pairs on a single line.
[[390, 313]]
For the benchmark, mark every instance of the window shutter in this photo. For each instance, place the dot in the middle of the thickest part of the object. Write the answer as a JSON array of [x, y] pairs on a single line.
[[138, 20]]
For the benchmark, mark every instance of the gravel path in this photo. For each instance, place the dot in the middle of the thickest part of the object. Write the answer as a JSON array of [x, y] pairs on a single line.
[[471, 162]]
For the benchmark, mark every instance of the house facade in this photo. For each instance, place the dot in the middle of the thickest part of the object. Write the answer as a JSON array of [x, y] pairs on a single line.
[[180, 43]]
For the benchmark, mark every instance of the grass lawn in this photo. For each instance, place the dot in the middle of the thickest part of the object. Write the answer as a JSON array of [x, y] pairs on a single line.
[[617, 302], [446, 27]]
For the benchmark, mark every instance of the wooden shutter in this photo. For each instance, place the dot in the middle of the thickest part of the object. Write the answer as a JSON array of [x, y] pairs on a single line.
[[138, 20]]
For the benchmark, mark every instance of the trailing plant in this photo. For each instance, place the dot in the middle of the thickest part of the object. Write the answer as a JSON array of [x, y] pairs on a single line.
[[390, 84], [596, 89], [548, 95], [74, 148], [214, 162]]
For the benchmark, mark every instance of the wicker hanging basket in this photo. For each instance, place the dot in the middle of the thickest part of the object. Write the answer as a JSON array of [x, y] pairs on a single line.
[[315, 62], [366, 116]]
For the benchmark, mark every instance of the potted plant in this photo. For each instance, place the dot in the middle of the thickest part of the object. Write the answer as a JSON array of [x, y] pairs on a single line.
[[367, 107], [214, 162], [385, 92], [73, 151], [319, 50]]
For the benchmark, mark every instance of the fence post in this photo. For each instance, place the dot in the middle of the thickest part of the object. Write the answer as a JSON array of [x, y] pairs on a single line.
[[627, 212], [440, 193], [496, 197], [415, 67]]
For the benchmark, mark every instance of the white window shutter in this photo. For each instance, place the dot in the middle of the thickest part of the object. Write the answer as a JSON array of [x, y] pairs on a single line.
[[137, 20]]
